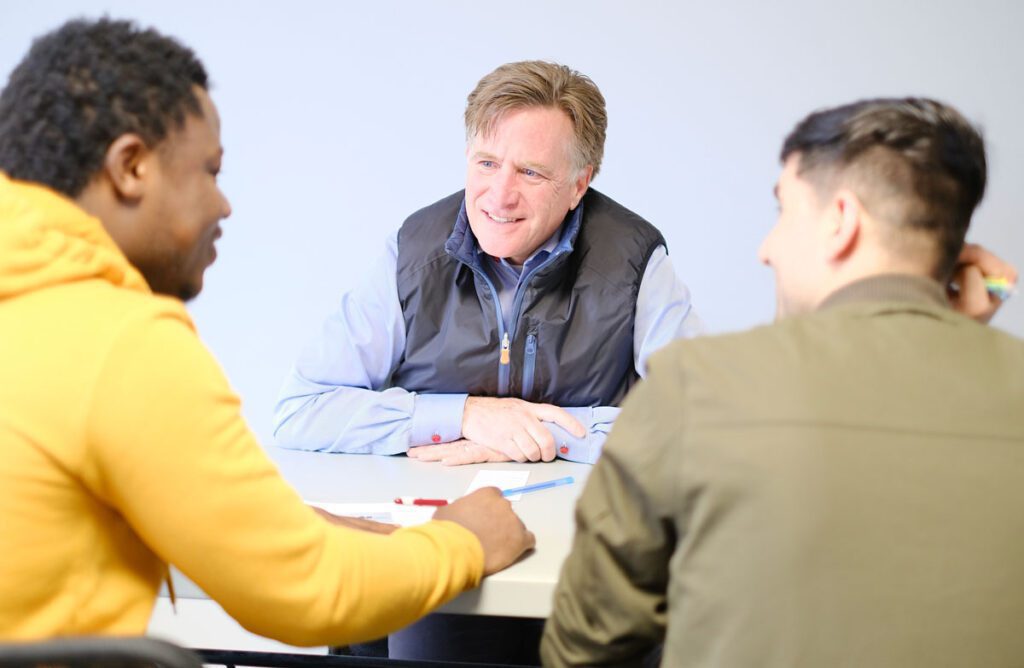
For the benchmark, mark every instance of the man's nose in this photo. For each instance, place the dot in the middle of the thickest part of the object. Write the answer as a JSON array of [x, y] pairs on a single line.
[[225, 209], [764, 252], [505, 189]]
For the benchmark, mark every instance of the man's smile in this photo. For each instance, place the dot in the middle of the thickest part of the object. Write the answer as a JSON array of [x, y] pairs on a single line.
[[500, 219]]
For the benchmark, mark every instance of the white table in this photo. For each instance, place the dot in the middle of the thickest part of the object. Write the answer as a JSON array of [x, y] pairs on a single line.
[[523, 590]]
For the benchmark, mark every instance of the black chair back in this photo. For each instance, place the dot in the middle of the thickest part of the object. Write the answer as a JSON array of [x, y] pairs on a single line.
[[94, 652]]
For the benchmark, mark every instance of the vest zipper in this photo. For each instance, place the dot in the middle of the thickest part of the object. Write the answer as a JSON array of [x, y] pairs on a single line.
[[505, 353], [517, 303], [505, 356], [528, 364]]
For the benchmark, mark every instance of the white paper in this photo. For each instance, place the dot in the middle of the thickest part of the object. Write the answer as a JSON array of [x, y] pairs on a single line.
[[499, 479], [390, 513]]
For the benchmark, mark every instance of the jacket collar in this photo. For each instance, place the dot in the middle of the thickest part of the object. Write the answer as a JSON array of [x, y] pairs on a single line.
[[889, 288], [462, 245]]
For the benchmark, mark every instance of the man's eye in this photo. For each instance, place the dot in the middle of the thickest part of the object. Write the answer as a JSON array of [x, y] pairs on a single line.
[[487, 164], [530, 172]]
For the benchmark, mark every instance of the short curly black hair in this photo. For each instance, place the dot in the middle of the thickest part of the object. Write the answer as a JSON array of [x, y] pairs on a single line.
[[84, 85]]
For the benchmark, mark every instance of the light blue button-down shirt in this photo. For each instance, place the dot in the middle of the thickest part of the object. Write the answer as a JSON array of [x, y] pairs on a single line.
[[337, 397]]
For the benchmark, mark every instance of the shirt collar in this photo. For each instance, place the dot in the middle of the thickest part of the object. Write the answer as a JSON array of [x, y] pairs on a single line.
[[536, 257], [462, 245]]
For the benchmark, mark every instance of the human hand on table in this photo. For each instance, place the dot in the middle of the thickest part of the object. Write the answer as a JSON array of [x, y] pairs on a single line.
[[515, 427], [457, 453], [356, 522], [970, 296], [490, 517]]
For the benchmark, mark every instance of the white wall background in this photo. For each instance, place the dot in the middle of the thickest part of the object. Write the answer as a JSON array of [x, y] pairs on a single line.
[[341, 118]]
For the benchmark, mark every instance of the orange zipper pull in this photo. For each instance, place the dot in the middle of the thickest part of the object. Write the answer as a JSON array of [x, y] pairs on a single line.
[[505, 358]]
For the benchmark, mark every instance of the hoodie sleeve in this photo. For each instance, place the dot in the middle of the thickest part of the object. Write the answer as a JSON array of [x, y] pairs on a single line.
[[173, 455]]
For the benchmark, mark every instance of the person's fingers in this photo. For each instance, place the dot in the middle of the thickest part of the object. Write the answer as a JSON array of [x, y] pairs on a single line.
[[464, 458], [991, 265], [515, 427], [510, 448], [476, 453], [526, 445], [501, 532], [458, 459], [971, 280], [972, 297], [561, 417], [544, 440], [466, 453], [430, 453], [971, 254]]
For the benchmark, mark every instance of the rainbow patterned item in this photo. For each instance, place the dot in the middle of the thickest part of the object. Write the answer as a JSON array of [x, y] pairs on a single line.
[[1000, 287]]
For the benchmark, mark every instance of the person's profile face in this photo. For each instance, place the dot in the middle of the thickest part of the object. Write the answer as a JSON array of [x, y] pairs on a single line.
[[187, 205], [789, 248], [521, 183]]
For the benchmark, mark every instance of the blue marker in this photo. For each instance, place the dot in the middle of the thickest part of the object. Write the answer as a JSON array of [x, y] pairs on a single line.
[[568, 480]]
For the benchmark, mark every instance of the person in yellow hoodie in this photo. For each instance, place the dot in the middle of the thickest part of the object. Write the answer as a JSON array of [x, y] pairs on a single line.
[[123, 446]]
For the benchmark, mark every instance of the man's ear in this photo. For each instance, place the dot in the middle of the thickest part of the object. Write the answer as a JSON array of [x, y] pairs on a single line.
[[843, 226], [581, 184], [127, 164]]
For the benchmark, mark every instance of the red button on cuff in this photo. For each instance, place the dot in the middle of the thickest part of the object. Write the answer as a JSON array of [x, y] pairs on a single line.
[[436, 438], [564, 449]]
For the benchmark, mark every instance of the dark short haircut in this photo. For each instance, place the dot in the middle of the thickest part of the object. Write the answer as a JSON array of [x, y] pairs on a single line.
[[919, 158], [84, 85]]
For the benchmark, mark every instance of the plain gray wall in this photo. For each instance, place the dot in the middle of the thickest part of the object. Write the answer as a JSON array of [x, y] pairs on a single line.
[[339, 119]]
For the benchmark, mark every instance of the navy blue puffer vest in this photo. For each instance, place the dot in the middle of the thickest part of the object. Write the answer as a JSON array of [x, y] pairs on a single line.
[[570, 340]]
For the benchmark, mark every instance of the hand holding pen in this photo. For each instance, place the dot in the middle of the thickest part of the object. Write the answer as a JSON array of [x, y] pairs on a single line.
[[490, 517], [981, 283], [536, 487]]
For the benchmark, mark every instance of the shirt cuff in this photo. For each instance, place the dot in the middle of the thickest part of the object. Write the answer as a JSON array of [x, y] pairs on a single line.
[[598, 421], [436, 418]]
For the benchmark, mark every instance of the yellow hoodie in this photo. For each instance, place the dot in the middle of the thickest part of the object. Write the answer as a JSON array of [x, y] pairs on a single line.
[[122, 449]]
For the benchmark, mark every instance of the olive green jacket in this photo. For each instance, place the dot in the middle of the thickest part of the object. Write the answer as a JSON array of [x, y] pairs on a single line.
[[844, 488]]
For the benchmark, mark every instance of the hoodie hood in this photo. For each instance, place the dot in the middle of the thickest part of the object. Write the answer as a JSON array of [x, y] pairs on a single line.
[[47, 240]]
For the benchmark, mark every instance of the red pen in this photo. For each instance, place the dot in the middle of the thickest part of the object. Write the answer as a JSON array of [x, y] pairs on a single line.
[[413, 501]]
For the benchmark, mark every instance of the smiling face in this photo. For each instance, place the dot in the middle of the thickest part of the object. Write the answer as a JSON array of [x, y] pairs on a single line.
[[521, 182], [186, 206]]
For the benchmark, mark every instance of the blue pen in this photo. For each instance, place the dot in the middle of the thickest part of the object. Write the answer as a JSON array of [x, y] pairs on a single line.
[[538, 486]]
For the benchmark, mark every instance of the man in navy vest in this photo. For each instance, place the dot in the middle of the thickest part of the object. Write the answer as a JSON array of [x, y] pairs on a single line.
[[508, 320], [505, 322]]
